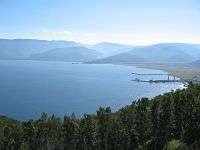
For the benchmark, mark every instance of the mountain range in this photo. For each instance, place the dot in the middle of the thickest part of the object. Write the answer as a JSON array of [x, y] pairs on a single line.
[[195, 63], [110, 49], [166, 53], [23, 48], [72, 54], [158, 53]]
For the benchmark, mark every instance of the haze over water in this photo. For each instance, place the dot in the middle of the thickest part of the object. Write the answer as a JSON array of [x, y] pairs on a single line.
[[28, 88]]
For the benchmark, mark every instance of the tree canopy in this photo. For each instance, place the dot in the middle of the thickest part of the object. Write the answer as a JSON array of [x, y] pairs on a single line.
[[170, 121]]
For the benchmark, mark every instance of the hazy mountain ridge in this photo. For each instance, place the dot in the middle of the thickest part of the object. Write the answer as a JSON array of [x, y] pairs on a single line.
[[109, 49], [78, 54], [33, 49], [99, 53], [159, 53], [195, 63], [23, 48]]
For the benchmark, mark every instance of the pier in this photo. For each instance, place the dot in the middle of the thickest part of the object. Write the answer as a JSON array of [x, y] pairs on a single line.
[[150, 74], [156, 81]]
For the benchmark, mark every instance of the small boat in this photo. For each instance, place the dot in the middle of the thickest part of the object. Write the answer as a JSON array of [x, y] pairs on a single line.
[[75, 63]]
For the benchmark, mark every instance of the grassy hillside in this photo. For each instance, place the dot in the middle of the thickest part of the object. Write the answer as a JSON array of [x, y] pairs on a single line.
[[170, 121]]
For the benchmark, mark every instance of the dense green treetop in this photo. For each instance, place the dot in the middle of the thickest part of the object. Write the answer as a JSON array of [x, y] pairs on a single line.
[[170, 121]]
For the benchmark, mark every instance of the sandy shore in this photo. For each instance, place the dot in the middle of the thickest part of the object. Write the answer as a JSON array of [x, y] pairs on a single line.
[[179, 70], [182, 72]]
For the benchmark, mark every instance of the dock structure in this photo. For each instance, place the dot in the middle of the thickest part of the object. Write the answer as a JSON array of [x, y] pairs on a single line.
[[150, 74], [155, 74]]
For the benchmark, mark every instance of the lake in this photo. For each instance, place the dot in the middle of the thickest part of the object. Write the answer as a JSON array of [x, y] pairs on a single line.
[[28, 88]]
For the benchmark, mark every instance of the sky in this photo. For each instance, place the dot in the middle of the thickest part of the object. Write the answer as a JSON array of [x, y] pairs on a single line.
[[133, 22]]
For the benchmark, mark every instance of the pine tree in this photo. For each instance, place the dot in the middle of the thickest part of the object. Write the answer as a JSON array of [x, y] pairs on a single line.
[[103, 117]]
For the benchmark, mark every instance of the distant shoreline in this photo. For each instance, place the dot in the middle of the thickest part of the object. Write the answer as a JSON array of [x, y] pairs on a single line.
[[185, 73]]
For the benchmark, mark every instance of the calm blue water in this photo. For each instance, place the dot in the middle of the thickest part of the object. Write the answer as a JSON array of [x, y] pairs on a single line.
[[28, 88]]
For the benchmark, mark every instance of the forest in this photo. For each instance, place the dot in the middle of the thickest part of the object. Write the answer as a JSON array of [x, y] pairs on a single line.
[[170, 121]]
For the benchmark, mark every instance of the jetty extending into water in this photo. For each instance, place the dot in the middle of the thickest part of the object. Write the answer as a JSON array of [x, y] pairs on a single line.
[[151, 74], [156, 81]]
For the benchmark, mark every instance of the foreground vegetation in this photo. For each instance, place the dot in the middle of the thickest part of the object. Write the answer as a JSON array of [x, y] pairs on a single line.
[[170, 121]]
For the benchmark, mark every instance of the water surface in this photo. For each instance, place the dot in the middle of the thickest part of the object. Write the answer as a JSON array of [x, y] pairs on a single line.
[[28, 88]]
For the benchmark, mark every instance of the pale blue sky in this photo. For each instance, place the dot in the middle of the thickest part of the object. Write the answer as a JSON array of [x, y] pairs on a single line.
[[89, 21]]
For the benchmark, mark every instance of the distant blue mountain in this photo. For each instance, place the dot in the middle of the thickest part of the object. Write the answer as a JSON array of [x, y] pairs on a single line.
[[70, 54], [109, 49], [23, 48], [195, 63], [104, 52], [159, 53]]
